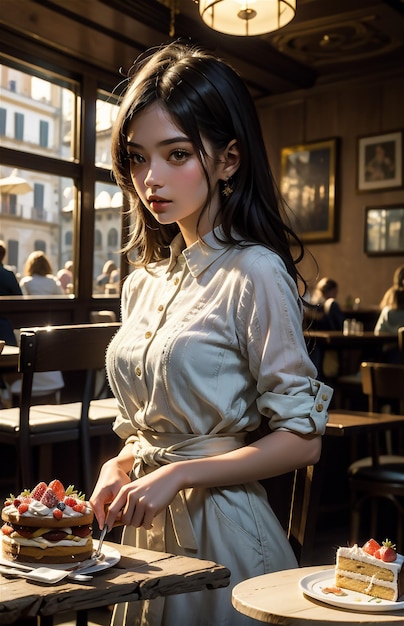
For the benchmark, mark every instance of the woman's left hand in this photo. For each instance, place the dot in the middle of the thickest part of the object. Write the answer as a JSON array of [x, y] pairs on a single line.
[[138, 502]]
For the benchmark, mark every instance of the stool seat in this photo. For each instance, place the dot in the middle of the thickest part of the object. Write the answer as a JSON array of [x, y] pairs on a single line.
[[387, 473]]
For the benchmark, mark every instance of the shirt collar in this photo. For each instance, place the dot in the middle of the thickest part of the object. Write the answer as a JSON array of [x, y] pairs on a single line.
[[200, 254]]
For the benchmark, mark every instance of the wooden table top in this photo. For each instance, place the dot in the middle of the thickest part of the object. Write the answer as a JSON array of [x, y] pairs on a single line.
[[337, 339], [277, 599], [342, 423], [9, 357], [139, 575]]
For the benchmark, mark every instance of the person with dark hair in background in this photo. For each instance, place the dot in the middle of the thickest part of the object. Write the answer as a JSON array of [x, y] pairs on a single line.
[[8, 287], [328, 314], [211, 341]]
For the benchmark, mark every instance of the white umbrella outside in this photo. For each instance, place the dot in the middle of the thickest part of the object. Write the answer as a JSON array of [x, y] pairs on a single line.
[[14, 184]]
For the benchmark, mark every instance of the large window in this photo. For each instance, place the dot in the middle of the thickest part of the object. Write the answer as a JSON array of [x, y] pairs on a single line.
[[55, 180]]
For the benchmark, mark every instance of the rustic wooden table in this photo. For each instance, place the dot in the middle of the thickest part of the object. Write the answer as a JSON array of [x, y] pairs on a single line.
[[277, 599], [139, 575]]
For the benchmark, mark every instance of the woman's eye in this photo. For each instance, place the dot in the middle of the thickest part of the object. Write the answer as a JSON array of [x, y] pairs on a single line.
[[179, 155], [135, 159]]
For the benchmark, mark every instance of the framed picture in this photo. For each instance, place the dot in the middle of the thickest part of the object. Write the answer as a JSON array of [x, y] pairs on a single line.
[[384, 230], [308, 183], [380, 162]]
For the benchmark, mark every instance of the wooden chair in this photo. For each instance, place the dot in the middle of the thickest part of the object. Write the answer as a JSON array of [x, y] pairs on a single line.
[[379, 477], [294, 498], [67, 348], [401, 343]]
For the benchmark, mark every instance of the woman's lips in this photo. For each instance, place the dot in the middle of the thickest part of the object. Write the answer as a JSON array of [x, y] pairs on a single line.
[[159, 204]]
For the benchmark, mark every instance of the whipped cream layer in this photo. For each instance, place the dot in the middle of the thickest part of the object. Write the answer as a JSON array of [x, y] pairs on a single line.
[[37, 509], [43, 543]]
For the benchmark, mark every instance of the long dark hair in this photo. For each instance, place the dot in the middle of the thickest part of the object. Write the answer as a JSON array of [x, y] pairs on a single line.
[[206, 98]]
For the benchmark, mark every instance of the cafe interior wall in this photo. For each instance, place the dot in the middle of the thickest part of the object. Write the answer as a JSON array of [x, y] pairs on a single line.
[[345, 110]]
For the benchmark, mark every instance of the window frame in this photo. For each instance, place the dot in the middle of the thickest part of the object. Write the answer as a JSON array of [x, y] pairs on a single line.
[[81, 168]]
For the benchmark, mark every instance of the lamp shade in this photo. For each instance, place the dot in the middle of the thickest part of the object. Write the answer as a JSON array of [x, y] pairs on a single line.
[[246, 17]]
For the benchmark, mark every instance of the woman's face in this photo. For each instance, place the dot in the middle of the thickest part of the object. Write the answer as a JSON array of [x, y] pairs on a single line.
[[167, 174]]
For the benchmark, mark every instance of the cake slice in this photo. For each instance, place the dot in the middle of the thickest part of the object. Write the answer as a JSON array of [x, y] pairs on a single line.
[[371, 570]]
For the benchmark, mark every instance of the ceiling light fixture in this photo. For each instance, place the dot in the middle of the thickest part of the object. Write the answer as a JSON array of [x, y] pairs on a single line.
[[246, 17]]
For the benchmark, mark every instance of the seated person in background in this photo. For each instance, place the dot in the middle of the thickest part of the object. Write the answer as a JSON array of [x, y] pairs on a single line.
[[38, 279], [8, 287], [325, 314], [105, 276], [65, 276], [390, 320], [398, 283], [328, 314]]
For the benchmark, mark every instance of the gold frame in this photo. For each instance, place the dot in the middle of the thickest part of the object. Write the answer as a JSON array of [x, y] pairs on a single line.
[[308, 185]]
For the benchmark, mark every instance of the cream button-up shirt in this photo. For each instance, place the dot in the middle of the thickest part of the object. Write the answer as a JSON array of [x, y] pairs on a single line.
[[211, 341]]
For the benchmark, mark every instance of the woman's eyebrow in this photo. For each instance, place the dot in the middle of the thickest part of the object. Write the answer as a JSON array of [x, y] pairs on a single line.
[[165, 142]]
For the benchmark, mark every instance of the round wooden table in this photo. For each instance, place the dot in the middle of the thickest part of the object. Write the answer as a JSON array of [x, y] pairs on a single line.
[[277, 599]]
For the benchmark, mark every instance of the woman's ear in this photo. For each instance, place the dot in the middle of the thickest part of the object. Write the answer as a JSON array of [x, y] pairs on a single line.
[[230, 160]]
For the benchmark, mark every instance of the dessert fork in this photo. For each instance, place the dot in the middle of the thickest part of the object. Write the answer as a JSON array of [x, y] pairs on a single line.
[[98, 554]]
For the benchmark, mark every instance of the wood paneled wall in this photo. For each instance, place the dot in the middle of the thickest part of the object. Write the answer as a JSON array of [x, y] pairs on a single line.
[[347, 110]]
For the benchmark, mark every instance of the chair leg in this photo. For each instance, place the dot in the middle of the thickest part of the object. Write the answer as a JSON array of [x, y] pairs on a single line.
[[373, 517], [82, 618]]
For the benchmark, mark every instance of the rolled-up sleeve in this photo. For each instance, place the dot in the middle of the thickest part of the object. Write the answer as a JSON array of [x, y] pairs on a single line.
[[305, 413], [289, 394]]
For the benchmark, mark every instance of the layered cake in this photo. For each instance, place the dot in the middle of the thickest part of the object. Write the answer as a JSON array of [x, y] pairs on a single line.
[[49, 524], [373, 569]]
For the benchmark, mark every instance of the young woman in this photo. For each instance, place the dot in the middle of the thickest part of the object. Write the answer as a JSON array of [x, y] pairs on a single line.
[[211, 340]]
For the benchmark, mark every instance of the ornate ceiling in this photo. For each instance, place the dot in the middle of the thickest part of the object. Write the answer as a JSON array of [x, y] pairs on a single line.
[[326, 41]]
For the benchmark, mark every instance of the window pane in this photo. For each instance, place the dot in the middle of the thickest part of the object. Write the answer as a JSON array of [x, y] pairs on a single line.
[[39, 113], [107, 242], [36, 211], [107, 111]]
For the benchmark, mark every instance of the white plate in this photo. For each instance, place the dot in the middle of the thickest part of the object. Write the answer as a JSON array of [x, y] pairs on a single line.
[[313, 584], [112, 557]]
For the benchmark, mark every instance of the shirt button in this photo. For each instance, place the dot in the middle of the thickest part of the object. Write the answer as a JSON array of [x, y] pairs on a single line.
[[148, 334], [319, 407], [160, 307], [176, 281], [138, 371]]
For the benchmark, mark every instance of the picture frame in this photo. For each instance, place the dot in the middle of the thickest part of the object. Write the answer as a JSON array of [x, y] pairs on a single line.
[[308, 186], [380, 161], [384, 230]]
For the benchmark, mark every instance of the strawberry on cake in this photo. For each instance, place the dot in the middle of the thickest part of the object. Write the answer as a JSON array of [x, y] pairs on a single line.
[[49, 524], [373, 569]]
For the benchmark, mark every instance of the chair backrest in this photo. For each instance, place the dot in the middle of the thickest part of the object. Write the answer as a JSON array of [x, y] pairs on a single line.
[[401, 343], [80, 347], [65, 348], [103, 316], [294, 498], [382, 382]]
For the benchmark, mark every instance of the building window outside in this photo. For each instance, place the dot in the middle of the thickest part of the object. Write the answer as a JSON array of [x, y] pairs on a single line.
[[39, 193], [3, 120], [43, 133], [19, 126], [40, 246], [12, 253]]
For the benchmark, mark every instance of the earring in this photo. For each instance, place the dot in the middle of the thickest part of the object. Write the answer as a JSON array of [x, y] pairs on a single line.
[[227, 188]]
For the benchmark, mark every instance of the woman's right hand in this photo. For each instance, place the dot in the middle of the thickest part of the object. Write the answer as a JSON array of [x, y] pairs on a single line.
[[112, 477]]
